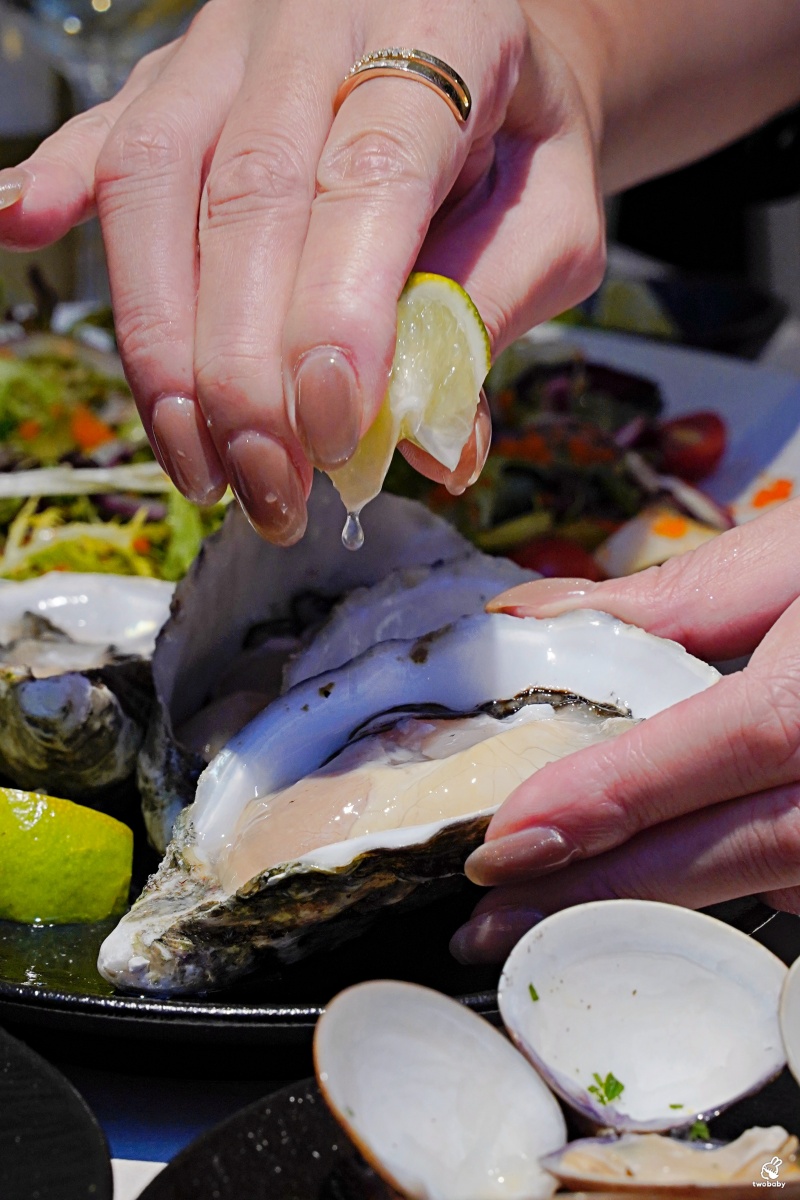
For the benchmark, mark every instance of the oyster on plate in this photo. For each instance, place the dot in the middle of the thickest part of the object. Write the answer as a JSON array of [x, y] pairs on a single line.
[[287, 848], [75, 685], [246, 608]]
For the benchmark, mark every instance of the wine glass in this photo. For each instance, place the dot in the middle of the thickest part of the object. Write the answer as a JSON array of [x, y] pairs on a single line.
[[94, 44]]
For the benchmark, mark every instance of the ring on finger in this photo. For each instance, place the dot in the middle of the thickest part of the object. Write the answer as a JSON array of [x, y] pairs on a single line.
[[410, 64]]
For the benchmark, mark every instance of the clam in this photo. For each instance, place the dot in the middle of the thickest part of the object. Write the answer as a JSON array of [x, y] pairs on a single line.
[[287, 848], [438, 1102], [790, 1018], [75, 687], [244, 608], [644, 1016]]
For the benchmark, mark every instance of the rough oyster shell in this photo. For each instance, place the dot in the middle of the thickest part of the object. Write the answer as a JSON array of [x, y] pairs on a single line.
[[244, 608], [185, 933], [75, 684]]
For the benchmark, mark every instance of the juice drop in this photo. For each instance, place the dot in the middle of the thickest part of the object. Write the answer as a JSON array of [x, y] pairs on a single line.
[[352, 534]]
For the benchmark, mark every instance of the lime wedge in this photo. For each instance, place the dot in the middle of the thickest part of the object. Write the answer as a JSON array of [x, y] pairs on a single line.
[[61, 863], [441, 360]]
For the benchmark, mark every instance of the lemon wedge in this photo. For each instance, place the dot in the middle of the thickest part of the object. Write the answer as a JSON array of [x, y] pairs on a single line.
[[61, 862], [441, 359]]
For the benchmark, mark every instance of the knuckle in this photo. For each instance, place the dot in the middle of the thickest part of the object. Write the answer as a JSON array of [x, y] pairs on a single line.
[[139, 147], [772, 839], [227, 372], [770, 730], [372, 158], [250, 181], [143, 328]]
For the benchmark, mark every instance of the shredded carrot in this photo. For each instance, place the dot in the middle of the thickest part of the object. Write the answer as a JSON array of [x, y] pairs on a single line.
[[141, 545], [88, 430], [531, 447], [778, 491], [584, 453], [670, 527], [28, 430]]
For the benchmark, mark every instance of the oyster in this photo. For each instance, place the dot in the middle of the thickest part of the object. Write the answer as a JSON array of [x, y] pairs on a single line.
[[434, 1097], [683, 989], [75, 687], [210, 913], [790, 1018], [212, 676]]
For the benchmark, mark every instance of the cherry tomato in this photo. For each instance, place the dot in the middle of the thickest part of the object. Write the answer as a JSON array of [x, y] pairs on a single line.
[[556, 557], [691, 447]]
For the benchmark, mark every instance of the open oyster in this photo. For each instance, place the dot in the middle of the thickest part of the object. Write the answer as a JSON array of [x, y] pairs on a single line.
[[438, 1101], [75, 687], [273, 859], [246, 607], [790, 1018]]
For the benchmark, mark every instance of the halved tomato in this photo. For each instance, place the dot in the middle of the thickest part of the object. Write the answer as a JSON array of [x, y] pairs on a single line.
[[556, 557], [691, 447]]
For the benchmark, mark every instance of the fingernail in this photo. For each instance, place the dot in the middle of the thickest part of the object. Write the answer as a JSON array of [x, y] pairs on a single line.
[[324, 399], [518, 856], [13, 185], [268, 487], [182, 445], [543, 597], [492, 936]]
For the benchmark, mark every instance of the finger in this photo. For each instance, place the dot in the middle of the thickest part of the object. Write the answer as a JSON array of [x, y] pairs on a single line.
[[527, 237], [473, 456], [53, 190], [718, 600], [253, 220], [738, 737], [149, 177], [783, 899], [393, 153], [736, 849]]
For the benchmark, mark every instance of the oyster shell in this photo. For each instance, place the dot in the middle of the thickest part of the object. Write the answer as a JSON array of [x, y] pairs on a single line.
[[683, 988], [434, 1097], [790, 1018], [75, 686], [212, 676], [189, 931]]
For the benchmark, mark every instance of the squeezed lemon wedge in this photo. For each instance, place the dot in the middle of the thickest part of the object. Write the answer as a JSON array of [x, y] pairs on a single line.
[[441, 359]]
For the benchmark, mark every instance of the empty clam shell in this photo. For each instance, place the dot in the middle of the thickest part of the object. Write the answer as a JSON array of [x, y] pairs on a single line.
[[790, 1018], [644, 1016], [436, 1099]]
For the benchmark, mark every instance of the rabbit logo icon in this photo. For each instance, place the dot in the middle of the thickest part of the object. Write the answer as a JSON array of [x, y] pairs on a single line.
[[770, 1169]]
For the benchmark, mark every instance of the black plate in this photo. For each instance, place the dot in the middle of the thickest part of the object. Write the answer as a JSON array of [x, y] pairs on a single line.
[[49, 984], [51, 1146], [288, 1147]]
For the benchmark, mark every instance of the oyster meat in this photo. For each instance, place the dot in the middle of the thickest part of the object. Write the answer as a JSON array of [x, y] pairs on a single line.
[[75, 684], [287, 848], [213, 675]]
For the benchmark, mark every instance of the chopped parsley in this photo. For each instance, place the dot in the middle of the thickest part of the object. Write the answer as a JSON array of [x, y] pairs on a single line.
[[676, 1106], [699, 1132], [533, 992], [606, 1090]]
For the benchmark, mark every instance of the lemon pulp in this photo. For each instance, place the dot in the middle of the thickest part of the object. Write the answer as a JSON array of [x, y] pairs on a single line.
[[441, 359]]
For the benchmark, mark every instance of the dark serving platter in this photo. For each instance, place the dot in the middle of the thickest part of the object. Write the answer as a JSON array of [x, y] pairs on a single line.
[[289, 1147], [49, 987]]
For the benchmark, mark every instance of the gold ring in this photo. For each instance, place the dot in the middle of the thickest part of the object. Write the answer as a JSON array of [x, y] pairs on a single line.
[[409, 64]]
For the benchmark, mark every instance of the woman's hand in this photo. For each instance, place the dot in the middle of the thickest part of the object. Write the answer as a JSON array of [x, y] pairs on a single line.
[[257, 244], [698, 804]]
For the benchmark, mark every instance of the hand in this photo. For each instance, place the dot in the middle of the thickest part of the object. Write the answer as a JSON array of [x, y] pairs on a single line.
[[257, 246], [696, 805]]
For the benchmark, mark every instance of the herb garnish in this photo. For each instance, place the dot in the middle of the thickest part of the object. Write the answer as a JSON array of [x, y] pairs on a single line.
[[533, 992], [699, 1132], [606, 1090]]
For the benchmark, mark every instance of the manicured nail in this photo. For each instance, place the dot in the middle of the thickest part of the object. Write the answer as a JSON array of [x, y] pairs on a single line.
[[492, 936], [183, 446], [543, 598], [324, 407], [518, 856], [267, 486], [13, 185]]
